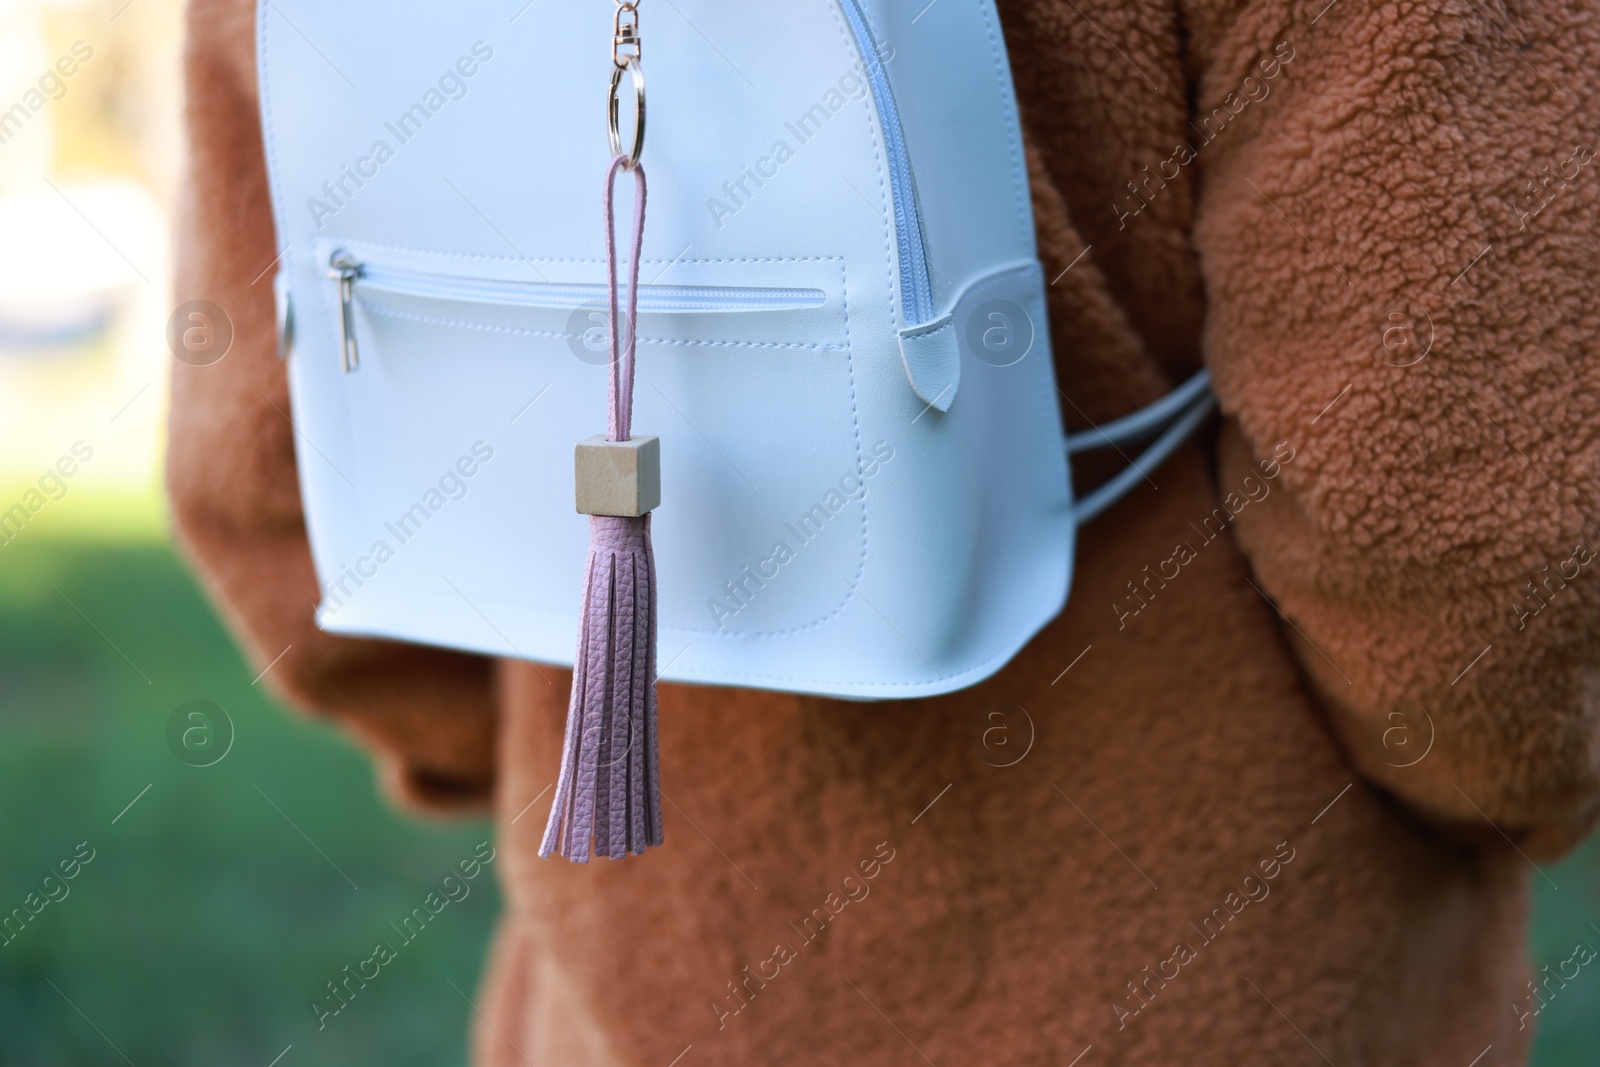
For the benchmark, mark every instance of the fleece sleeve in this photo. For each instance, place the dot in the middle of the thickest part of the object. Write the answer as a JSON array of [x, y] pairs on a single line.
[[1398, 231], [428, 715]]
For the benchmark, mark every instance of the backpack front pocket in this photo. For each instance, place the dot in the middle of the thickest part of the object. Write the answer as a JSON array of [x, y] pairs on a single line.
[[499, 367]]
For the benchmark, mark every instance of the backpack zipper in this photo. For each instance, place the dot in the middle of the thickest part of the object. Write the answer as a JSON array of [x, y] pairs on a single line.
[[347, 271], [344, 269], [916, 275]]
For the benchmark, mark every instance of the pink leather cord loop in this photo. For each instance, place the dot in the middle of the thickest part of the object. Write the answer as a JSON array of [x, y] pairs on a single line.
[[620, 423]]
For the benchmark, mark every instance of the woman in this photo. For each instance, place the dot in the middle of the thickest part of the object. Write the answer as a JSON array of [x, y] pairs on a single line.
[[1274, 786]]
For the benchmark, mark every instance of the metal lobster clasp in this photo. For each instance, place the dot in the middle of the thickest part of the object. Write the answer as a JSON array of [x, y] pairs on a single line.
[[625, 41]]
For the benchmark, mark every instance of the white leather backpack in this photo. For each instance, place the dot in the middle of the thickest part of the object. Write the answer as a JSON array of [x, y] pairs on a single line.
[[842, 337]]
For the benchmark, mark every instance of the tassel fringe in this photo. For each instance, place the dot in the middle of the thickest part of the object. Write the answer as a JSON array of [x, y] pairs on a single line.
[[609, 790]]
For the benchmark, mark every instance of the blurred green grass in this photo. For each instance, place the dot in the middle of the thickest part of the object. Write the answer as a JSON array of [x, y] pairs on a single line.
[[206, 921], [1566, 912]]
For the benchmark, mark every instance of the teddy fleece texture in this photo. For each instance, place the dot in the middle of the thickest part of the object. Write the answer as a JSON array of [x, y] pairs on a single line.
[[1273, 788]]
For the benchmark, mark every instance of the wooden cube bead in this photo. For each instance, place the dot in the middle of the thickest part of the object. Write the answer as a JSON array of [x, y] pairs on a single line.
[[618, 477]]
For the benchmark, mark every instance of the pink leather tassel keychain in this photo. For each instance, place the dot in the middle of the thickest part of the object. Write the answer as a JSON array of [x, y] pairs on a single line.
[[609, 789]]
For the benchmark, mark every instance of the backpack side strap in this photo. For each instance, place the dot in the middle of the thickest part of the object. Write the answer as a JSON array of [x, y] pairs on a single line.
[[1180, 411]]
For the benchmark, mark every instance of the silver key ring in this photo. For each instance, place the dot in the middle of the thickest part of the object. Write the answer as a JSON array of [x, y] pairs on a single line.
[[631, 66]]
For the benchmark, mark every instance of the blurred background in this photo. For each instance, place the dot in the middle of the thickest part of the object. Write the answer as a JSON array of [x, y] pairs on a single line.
[[224, 889], [227, 895]]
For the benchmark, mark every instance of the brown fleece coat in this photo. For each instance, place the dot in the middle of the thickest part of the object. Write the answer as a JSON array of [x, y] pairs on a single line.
[[1326, 688]]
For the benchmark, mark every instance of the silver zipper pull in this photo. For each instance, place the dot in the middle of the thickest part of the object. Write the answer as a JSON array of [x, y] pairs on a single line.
[[345, 269]]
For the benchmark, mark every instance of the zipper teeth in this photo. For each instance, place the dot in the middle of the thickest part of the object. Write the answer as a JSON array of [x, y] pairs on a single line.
[[918, 301], [568, 294]]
